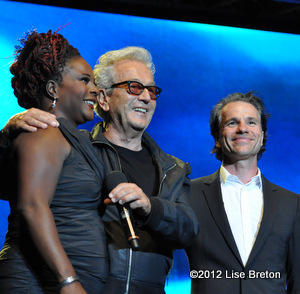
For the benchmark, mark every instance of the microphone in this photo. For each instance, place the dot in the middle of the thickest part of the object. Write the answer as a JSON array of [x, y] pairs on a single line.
[[112, 180]]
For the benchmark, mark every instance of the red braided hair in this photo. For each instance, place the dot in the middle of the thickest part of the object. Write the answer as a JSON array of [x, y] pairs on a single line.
[[42, 58]]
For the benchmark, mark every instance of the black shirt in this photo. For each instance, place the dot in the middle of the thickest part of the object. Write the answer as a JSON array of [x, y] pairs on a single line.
[[139, 168]]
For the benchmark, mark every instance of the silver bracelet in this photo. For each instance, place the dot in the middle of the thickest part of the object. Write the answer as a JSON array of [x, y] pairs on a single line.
[[68, 281]]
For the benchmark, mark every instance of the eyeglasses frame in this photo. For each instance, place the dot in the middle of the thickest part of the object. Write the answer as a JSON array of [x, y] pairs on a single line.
[[128, 83]]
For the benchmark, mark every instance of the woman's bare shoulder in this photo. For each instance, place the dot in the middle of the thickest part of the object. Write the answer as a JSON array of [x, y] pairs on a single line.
[[42, 140]]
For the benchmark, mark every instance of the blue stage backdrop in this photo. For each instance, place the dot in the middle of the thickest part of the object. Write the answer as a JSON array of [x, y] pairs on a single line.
[[197, 64]]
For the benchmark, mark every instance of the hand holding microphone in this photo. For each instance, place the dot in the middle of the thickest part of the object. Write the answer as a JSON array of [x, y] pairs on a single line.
[[127, 196]]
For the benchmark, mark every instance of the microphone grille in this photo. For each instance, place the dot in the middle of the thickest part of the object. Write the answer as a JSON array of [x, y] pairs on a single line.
[[113, 179]]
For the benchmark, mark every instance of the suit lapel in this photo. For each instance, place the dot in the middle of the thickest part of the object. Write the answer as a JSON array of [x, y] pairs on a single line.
[[213, 196], [269, 215]]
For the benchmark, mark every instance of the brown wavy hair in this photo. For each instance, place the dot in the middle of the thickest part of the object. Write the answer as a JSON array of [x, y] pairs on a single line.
[[40, 58]]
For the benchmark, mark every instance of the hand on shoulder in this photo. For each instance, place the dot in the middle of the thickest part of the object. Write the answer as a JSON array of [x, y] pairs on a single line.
[[27, 121]]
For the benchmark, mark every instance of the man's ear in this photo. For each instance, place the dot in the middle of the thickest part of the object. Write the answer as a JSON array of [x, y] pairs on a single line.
[[103, 100], [52, 89], [262, 139]]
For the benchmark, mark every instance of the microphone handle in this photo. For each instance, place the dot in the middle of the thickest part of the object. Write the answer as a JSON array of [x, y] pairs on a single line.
[[128, 225]]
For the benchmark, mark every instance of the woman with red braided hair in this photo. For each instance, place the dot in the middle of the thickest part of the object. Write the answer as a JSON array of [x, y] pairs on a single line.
[[55, 241]]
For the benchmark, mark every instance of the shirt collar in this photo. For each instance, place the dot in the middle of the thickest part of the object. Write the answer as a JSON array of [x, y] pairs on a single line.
[[227, 177]]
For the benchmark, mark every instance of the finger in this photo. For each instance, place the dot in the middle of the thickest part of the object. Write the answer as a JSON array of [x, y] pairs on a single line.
[[38, 118], [129, 197], [49, 119], [32, 123], [122, 197], [28, 128], [121, 190], [42, 121]]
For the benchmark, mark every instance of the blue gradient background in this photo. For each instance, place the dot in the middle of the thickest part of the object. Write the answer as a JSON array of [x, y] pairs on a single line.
[[197, 64]]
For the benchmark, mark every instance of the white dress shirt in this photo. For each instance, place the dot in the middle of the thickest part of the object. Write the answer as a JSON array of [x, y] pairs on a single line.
[[244, 208]]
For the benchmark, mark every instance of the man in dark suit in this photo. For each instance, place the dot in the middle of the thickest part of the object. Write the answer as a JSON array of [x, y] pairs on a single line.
[[249, 239]]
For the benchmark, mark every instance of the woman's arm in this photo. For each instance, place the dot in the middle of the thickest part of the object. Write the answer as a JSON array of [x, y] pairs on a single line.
[[40, 160]]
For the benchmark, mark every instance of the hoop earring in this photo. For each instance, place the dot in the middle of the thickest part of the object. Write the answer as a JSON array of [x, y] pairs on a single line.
[[54, 102]]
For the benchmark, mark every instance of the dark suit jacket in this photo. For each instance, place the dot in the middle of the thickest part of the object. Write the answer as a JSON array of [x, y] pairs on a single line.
[[214, 257]]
